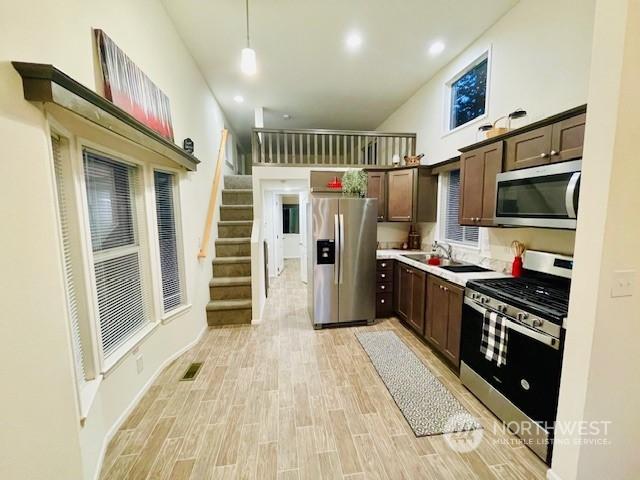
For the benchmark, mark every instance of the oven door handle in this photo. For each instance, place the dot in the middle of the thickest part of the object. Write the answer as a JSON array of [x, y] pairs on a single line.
[[548, 340]]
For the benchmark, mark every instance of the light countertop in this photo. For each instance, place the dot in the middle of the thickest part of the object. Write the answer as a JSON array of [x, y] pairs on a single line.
[[453, 277]]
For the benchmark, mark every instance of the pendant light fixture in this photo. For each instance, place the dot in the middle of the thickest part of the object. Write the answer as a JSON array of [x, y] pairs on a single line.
[[248, 56]]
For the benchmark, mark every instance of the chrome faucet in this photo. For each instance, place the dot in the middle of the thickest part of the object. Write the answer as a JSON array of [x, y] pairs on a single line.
[[444, 247]]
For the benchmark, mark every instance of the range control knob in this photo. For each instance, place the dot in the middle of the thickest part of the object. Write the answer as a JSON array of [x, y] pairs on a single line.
[[501, 308], [484, 299], [522, 316], [537, 323]]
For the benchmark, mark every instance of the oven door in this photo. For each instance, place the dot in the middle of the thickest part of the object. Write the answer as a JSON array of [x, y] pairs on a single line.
[[540, 197], [530, 379]]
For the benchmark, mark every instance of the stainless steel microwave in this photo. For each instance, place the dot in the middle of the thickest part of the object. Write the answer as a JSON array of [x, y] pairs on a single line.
[[545, 196]]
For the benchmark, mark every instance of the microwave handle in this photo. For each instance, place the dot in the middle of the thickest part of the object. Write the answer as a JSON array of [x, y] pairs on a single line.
[[568, 199]]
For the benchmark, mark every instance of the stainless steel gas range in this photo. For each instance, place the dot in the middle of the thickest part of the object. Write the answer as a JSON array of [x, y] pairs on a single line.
[[523, 392]]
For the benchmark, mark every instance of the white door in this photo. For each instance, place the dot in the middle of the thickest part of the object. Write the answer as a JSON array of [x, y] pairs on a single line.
[[277, 230], [302, 209]]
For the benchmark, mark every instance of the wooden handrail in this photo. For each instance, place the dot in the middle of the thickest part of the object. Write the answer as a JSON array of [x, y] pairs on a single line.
[[214, 197]]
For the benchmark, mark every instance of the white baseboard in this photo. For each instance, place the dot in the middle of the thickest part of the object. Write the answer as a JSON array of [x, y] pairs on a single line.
[[127, 411], [551, 475]]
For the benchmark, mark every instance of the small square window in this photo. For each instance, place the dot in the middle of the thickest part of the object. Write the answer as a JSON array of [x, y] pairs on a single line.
[[468, 95]]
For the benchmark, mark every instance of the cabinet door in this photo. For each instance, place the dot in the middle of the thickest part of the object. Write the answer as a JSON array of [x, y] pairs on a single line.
[[404, 296], [568, 138], [376, 188], [471, 186], [416, 314], [478, 170], [492, 157], [454, 323], [397, 269], [400, 195], [528, 149], [437, 313]]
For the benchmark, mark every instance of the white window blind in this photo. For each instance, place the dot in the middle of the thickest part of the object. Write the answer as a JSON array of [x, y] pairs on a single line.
[[453, 231], [117, 241], [170, 265], [73, 306]]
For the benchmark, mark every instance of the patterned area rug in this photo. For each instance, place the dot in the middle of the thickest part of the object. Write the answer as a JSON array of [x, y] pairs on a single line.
[[428, 406]]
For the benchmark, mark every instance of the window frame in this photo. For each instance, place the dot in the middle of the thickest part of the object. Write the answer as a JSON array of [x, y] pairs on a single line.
[[443, 206], [166, 317], [446, 127], [145, 229]]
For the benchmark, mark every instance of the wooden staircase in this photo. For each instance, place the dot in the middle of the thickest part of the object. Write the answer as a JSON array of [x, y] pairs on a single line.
[[230, 287]]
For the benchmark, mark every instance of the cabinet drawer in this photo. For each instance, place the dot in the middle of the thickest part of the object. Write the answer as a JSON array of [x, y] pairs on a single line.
[[384, 276], [385, 265], [383, 287], [383, 305]]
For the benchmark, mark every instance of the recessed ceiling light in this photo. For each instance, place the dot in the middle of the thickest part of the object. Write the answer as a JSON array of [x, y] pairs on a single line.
[[286, 116], [436, 48], [354, 41], [238, 99]]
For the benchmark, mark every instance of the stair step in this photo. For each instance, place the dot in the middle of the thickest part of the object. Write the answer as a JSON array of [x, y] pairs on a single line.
[[233, 247], [231, 260], [236, 212], [231, 267], [235, 229], [237, 223], [228, 304], [229, 281], [237, 197], [238, 181]]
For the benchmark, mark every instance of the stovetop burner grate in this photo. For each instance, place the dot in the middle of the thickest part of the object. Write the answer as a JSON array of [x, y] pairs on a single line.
[[523, 292]]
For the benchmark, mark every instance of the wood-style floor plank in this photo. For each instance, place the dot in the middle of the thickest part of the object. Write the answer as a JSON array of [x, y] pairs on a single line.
[[282, 401]]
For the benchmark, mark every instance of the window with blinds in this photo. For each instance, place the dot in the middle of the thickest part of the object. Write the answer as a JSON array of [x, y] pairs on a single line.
[[453, 231], [170, 265], [73, 299], [118, 257]]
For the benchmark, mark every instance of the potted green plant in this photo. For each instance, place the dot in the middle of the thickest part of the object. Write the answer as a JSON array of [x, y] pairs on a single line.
[[354, 183]]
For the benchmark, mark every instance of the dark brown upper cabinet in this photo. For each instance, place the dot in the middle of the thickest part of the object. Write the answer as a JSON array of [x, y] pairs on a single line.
[[411, 195], [558, 142], [478, 170], [568, 138], [444, 317], [529, 149], [376, 188]]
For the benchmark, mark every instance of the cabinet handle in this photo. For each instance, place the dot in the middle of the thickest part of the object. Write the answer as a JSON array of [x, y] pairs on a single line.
[[381, 287], [382, 275], [382, 300], [383, 265], [554, 153], [544, 155]]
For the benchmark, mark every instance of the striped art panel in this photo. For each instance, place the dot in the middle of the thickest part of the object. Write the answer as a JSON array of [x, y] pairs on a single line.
[[130, 89]]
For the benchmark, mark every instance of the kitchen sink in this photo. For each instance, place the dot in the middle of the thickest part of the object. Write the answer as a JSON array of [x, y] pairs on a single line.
[[450, 265], [464, 268]]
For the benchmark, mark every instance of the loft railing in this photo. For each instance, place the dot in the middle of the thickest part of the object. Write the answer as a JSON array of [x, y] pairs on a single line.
[[329, 147]]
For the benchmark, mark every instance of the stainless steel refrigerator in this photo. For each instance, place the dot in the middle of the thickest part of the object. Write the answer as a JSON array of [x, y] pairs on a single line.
[[342, 260]]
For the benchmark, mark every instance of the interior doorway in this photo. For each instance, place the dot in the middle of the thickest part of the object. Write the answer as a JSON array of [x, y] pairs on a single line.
[[285, 228]]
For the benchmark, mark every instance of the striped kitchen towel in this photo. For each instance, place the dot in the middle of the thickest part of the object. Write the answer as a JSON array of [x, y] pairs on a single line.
[[494, 338]]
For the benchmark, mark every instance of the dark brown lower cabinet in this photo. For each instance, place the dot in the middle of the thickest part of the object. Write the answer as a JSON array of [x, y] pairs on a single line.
[[384, 289], [411, 300], [444, 317]]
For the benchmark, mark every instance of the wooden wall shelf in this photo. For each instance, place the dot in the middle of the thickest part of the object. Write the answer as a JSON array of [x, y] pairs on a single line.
[[43, 83]]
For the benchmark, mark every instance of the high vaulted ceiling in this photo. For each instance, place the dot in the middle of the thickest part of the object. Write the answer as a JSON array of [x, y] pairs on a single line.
[[305, 69]]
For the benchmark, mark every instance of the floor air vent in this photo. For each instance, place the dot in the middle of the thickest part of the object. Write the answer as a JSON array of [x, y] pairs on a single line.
[[191, 372]]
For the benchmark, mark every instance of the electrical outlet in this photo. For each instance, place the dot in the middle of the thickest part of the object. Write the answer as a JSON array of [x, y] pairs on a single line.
[[139, 363], [623, 283]]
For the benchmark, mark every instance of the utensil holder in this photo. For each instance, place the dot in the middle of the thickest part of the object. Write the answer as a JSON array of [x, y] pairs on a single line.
[[516, 267]]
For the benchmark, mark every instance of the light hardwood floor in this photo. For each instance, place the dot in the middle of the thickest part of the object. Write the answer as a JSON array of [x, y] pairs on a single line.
[[283, 401]]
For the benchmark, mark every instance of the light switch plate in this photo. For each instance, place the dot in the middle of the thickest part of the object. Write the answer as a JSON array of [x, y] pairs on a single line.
[[623, 283]]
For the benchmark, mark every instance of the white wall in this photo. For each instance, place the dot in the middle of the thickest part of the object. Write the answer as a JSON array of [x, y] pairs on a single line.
[[540, 56], [40, 432], [600, 370]]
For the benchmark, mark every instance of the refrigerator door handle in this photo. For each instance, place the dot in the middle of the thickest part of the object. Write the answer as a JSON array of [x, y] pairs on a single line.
[[341, 247], [336, 236]]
